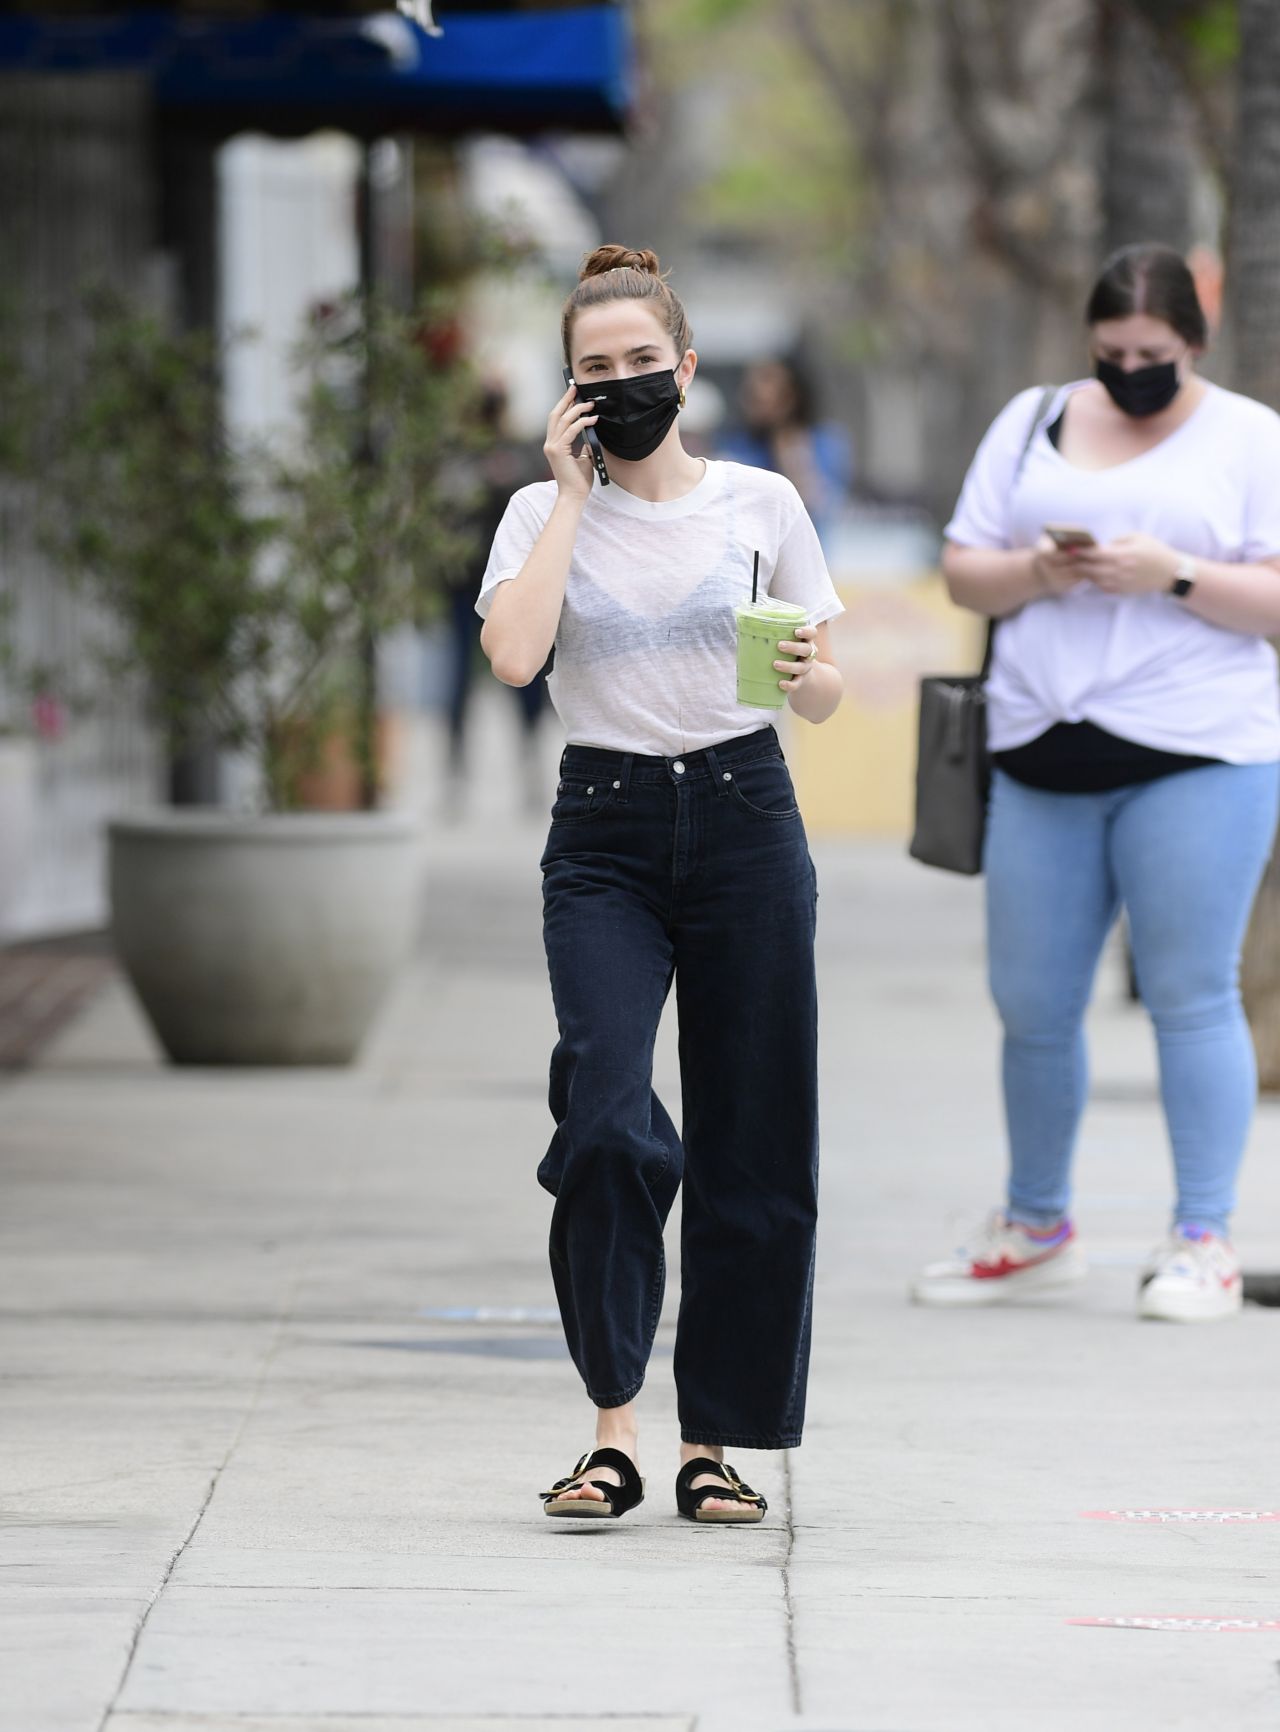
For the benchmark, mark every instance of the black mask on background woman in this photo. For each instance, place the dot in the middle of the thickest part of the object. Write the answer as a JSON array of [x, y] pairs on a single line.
[[635, 414], [1145, 391]]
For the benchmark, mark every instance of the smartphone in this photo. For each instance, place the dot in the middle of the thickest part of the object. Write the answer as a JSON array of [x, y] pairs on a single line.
[[594, 448], [1065, 536]]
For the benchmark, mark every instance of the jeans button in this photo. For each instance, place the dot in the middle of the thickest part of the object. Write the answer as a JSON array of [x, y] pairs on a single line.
[[678, 767]]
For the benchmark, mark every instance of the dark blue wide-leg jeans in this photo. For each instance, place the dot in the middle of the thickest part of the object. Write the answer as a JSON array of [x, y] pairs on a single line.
[[694, 869]]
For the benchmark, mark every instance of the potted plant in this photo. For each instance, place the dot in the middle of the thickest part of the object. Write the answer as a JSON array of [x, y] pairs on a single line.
[[243, 584]]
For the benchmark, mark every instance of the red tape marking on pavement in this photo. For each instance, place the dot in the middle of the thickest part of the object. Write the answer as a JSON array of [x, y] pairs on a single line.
[[1229, 1626], [1181, 1515]]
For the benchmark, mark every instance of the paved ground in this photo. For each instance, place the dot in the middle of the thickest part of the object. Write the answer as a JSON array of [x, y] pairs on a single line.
[[255, 1478], [43, 985]]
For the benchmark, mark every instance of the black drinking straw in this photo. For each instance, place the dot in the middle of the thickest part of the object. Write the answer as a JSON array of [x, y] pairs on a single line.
[[755, 576]]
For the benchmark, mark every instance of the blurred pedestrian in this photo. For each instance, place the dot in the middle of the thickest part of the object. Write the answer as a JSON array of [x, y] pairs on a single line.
[[1134, 567], [676, 851], [505, 465], [780, 430]]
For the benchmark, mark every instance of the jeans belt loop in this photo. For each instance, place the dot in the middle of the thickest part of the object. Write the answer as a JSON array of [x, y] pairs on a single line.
[[624, 776], [717, 774]]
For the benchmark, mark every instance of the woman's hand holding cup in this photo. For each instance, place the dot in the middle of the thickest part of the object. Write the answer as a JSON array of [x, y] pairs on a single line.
[[804, 651]]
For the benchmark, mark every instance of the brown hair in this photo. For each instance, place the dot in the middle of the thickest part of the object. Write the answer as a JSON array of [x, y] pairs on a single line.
[[613, 273], [1150, 279]]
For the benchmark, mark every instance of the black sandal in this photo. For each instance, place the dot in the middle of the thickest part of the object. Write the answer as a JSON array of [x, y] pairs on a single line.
[[751, 1506], [618, 1499]]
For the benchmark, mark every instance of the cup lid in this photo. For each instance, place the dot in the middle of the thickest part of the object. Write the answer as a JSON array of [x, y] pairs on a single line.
[[770, 607]]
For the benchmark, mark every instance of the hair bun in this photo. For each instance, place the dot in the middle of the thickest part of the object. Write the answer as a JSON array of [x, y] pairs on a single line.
[[625, 274], [613, 258]]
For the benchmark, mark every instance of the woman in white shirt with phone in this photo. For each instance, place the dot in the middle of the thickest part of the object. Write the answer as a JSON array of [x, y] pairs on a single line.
[[1133, 565]]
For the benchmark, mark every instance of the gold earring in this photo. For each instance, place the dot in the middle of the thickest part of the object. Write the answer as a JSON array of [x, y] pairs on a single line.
[[682, 397]]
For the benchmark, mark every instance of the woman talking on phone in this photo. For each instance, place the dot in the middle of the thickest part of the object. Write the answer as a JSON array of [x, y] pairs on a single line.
[[1128, 543], [676, 851]]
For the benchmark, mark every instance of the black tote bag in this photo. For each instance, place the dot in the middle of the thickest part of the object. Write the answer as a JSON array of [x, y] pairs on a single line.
[[953, 770]]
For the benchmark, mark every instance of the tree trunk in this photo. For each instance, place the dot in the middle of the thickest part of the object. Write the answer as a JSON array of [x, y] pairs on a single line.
[[1253, 287], [189, 227], [1149, 154], [195, 775], [1254, 274], [366, 653]]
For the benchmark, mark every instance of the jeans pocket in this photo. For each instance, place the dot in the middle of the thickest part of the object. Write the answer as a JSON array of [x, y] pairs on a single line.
[[763, 788], [577, 802]]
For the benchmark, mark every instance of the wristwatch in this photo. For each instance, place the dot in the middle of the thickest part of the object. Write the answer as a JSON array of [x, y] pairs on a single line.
[[1184, 576]]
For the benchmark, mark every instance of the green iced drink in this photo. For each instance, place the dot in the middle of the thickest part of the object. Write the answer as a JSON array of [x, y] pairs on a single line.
[[762, 625]]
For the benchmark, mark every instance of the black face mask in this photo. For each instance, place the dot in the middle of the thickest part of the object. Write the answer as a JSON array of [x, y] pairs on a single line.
[[1145, 391], [635, 414]]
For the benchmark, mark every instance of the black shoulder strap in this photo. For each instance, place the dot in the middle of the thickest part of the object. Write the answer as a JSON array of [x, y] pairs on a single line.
[[988, 650], [1043, 403]]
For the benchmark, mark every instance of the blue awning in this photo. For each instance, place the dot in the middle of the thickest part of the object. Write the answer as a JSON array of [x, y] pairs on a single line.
[[562, 70]]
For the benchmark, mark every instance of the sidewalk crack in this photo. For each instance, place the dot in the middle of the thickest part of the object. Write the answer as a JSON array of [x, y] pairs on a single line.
[[282, 1320], [788, 1603]]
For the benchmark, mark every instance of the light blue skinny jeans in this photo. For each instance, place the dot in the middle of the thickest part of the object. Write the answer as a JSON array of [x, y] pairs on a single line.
[[1183, 856]]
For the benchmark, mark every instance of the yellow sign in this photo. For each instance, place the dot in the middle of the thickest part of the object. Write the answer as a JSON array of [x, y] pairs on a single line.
[[856, 773]]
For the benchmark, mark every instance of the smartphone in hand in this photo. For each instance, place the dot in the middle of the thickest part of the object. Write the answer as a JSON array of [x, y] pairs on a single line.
[[594, 448], [1065, 536]]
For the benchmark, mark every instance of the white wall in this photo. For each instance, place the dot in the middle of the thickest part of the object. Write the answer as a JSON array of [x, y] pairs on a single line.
[[514, 317], [289, 240]]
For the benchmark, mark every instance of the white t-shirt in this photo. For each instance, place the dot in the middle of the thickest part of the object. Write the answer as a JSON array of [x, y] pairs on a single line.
[[646, 647], [1141, 666]]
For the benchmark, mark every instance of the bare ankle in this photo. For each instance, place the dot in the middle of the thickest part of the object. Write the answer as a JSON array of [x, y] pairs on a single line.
[[616, 1437], [617, 1428]]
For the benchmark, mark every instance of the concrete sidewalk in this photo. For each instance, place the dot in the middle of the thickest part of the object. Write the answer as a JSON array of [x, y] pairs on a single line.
[[281, 1382]]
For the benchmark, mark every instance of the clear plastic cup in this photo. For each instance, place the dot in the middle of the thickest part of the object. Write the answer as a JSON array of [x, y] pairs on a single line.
[[762, 625]]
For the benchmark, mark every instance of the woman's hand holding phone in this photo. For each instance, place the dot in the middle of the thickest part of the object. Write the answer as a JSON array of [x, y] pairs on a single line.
[[1056, 569], [1130, 565], [572, 470]]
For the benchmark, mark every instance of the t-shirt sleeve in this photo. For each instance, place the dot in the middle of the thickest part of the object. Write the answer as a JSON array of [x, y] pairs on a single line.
[[522, 523], [800, 572], [1262, 490], [981, 516]]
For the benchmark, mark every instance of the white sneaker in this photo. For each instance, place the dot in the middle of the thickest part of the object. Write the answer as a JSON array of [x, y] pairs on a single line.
[[1194, 1277], [1005, 1262]]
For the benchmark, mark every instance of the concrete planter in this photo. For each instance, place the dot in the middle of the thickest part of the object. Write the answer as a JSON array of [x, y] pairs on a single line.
[[267, 940], [17, 816]]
